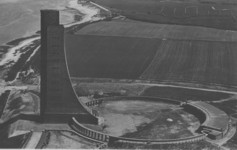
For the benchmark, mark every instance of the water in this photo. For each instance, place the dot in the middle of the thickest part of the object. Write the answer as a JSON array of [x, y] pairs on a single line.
[[20, 18]]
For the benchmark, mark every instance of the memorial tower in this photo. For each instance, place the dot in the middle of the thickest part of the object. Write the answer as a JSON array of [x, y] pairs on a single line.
[[59, 101]]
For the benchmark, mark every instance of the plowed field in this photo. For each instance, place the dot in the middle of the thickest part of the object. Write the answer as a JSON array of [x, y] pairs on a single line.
[[154, 52], [109, 57], [172, 12], [194, 61]]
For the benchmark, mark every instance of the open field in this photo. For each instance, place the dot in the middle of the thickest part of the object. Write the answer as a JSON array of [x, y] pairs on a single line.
[[161, 53], [146, 120], [228, 105], [105, 57], [223, 2], [194, 61], [183, 94], [161, 31], [185, 13]]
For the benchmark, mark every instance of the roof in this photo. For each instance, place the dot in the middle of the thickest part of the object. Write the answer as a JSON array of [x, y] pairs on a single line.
[[215, 118]]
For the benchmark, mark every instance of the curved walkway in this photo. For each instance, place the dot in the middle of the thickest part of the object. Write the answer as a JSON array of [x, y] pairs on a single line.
[[216, 119], [33, 140], [39, 140], [141, 98]]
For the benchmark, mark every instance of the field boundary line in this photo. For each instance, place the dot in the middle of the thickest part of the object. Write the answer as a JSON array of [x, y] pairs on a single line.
[[186, 87], [159, 38]]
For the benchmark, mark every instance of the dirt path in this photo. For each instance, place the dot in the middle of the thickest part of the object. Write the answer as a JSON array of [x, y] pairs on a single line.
[[181, 86]]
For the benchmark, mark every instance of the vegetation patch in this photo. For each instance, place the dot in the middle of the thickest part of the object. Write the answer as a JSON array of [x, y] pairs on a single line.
[[106, 57], [146, 120], [184, 94]]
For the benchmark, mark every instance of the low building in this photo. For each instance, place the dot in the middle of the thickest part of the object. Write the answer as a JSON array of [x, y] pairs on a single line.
[[216, 122]]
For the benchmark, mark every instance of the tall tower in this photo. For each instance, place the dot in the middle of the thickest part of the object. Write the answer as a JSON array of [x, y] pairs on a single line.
[[48, 18], [59, 101]]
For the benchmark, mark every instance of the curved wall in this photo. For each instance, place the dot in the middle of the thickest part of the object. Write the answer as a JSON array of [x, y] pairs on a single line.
[[141, 98], [102, 137], [216, 122], [204, 112], [99, 136]]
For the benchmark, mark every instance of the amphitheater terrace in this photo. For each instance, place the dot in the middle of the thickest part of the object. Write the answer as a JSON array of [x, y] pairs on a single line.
[[216, 122]]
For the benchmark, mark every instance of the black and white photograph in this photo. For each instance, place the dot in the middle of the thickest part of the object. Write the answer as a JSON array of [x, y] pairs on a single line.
[[118, 74]]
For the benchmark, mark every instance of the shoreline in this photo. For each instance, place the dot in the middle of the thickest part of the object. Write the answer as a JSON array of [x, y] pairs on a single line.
[[18, 47]]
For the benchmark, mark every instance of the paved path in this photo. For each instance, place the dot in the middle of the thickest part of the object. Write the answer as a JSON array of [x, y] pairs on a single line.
[[34, 140]]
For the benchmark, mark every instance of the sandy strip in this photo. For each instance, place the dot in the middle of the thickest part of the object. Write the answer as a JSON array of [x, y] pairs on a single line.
[[34, 140]]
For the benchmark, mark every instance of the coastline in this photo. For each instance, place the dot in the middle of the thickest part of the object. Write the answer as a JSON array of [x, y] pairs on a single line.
[[16, 48]]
